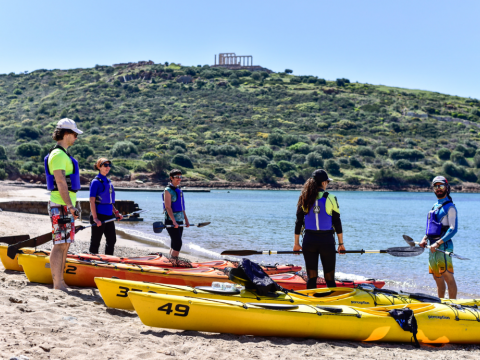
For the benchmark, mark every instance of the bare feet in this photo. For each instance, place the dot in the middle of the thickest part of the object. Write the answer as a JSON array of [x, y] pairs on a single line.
[[62, 288]]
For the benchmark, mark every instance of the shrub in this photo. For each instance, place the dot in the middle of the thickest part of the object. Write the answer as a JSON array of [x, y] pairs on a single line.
[[108, 105], [18, 92], [282, 155], [81, 150], [123, 149], [262, 151], [160, 166], [177, 142], [27, 132], [315, 160], [476, 161], [365, 151], [3, 174], [231, 176], [323, 141], [332, 167], [381, 150], [286, 166], [387, 177], [275, 169], [118, 170], [300, 147], [444, 154], [227, 150], [275, 139], [324, 151], [288, 71], [3, 153], [403, 164], [458, 171], [149, 156], [353, 180], [407, 154], [291, 139], [259, 162], [458, 158], [298, 159], [353, 161], [182, 160], [346, 125], [140, 167], [178, 150], [28, 149]]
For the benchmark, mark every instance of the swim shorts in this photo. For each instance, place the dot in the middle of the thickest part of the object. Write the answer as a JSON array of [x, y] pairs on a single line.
[[439, 262], [63, 224]]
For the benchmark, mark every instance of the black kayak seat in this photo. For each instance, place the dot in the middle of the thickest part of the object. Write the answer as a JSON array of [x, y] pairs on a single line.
[[330, 309], [319, 295], [218, 291], [275, 306]]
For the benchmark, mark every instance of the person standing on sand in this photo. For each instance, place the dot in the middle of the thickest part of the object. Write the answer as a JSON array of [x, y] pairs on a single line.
[[63, 180], [442, 225], [319, 213], [174, 209], [102, 198]]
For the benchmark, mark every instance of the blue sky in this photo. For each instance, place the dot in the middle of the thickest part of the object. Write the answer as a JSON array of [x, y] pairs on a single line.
[[430, 45]]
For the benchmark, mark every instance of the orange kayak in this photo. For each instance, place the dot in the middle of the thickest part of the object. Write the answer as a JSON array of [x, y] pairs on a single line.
[[82, 273], [298, 281]]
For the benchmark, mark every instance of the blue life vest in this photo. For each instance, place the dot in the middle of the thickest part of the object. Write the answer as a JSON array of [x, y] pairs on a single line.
[[107, 195], [179, 204], [73, 180], [435, 229], [317, 217]]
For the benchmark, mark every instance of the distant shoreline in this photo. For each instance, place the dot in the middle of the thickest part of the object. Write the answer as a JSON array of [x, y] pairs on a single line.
[[197, 186]]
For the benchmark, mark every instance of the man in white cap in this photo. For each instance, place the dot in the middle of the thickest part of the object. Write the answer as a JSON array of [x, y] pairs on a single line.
[[442, 225], [63, 180]]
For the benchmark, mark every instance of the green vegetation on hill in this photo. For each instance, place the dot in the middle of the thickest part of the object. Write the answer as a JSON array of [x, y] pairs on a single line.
[[238, 125]]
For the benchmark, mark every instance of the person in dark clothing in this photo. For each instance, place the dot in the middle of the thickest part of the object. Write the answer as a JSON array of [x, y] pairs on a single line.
[[102, 199], [319, 214]]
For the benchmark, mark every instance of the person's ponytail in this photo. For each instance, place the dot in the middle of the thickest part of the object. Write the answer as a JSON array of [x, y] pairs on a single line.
[[308, 195]]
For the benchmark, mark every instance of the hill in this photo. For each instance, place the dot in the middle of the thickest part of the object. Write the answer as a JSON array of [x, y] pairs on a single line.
[[238, 126]]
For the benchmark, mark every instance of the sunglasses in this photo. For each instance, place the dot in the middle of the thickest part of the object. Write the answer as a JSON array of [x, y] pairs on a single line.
[[177, 177], [107, 165], [442, 186]]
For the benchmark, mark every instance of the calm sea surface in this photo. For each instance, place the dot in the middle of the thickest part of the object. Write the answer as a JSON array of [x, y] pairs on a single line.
[[264, 220]]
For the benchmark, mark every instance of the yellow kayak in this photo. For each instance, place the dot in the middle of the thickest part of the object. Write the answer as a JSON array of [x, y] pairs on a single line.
[[115, 295], [437, 323], [12, 264]]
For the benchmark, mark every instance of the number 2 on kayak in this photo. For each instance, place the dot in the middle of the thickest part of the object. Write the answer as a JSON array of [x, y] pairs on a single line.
[[181, 310]]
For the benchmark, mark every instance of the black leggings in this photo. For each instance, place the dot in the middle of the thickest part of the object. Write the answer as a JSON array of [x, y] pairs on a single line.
[[175, 235], [323, 245], [110, 235]]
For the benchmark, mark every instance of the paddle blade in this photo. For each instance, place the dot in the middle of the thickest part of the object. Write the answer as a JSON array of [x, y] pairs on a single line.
[[240, 252], [158, 227], [203, 224], [10, 240], [459, 257], [405, 251], [34, 242], [409, 240]]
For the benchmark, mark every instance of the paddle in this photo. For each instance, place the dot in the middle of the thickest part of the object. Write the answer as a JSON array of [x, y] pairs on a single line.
[[412, 243], [394, 251], [43, 239], [13, 239], [158, 226]]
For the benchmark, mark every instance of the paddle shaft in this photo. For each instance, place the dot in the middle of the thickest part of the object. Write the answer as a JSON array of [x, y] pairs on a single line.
[[274, 252], [81, 227], [445, 252]]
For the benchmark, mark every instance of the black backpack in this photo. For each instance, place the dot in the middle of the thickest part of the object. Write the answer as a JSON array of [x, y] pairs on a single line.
[[252, 276]]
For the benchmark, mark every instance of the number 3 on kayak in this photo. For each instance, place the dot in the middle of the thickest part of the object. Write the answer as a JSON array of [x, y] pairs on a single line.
[[181, 310]]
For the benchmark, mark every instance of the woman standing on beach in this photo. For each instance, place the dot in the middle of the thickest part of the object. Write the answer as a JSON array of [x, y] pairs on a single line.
[[318, 212], [102, 198], [174, 209]]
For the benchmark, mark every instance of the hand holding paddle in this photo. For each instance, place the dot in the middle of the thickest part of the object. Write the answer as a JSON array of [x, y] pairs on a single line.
[[158, 226], [412, 243], [394, 251]]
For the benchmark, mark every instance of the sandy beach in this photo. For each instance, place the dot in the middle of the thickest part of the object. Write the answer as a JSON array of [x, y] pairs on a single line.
[[38, 323]]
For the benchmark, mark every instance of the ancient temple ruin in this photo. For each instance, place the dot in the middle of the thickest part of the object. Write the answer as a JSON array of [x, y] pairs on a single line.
[[237, 62]]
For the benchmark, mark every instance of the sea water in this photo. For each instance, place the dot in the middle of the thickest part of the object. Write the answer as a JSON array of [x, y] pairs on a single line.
[[265, 220]]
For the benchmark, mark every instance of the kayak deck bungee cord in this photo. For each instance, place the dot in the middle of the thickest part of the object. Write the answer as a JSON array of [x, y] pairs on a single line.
[[437, 323], [114, 293], [82, 273], [157, 260]]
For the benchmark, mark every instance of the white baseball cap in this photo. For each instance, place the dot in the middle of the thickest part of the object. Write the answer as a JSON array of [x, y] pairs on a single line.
[[68, 124]]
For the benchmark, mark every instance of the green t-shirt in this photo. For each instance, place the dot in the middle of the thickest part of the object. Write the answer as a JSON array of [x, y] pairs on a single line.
[[58, 160]]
